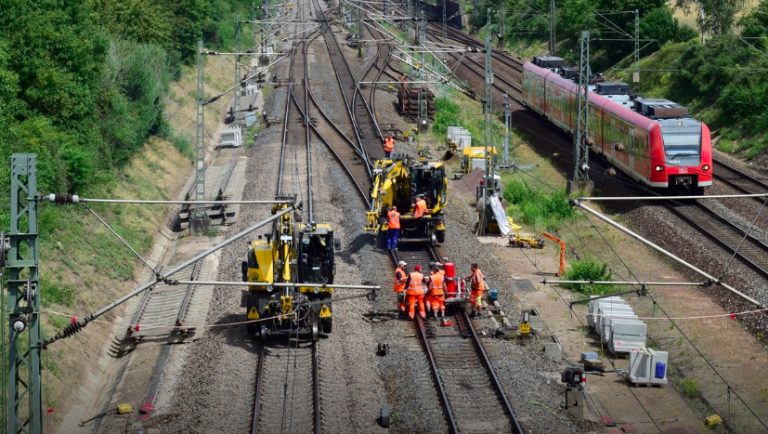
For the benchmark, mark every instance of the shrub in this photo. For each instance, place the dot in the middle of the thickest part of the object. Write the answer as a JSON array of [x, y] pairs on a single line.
[[690, 388], [537, 207], [589, 269], [446, 115]]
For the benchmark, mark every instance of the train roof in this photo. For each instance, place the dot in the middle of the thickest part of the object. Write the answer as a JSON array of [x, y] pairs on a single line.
[[606, 104]]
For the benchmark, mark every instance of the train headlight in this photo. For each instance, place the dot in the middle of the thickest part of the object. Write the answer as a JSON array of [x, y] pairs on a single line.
[[659, 168], [705, 167]]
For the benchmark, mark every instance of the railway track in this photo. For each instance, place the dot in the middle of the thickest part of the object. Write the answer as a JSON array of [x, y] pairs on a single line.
[[471, 394], [346, 153], [737, 179], [748, 249], [366, 129], [287, 390]]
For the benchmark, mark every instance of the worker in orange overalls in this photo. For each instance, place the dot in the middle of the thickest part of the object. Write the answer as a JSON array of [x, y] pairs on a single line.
[[415, 292], [477, 286], [420, 208], [393, 228], [436, 294], [389, 145], [399, 284]]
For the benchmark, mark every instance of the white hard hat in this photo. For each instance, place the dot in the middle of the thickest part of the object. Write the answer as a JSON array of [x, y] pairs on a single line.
[[402, 263]]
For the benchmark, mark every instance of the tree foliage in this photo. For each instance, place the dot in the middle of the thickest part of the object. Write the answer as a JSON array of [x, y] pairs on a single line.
[[714, 16], [82, 84], [611, 24]]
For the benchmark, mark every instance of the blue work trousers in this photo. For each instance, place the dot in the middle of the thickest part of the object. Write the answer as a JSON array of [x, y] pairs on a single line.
[[392, 235]]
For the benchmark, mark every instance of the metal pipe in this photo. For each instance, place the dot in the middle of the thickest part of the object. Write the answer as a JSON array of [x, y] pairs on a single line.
[[650, 244], [620, 282], [275, 284], [714, 196], [75, 328]]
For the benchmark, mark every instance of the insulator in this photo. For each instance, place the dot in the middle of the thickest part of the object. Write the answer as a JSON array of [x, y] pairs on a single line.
[[63, 198], [71, 329]]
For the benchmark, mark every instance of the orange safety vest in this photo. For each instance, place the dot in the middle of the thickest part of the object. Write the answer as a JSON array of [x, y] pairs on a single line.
[[477, 281], [436, 284], [393, 220], [421, 208], [416, 285], [389, 144], [399, 281]]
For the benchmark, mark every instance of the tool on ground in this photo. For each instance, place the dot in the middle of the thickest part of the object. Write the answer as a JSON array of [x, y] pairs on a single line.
[[120, 409]]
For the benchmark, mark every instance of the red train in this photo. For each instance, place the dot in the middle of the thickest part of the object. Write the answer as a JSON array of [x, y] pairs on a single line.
[[653, 141]]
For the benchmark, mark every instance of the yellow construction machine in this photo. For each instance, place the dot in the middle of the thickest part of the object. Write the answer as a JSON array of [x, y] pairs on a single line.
[[278, 263], [398, 182], [473, 157]]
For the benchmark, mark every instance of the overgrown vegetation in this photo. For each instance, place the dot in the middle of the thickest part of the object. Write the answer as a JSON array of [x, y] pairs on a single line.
[[690, 388], [589, 269], [446, 115], [535, 207], [83, 86], [528, 22]]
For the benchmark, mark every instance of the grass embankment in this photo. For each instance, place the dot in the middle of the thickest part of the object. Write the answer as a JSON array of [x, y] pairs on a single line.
[[84, 266]]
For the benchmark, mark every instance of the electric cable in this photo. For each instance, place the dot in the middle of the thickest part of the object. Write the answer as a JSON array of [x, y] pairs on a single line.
[[122, 240]]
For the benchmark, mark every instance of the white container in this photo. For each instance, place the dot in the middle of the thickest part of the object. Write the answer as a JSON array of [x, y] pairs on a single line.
[[647, 366], [605, 325], [659, 366], [594, 304], [604, 313], [640, 367], [626, 335]]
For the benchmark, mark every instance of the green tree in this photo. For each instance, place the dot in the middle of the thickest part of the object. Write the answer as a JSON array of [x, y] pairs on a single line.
[[714, 16]]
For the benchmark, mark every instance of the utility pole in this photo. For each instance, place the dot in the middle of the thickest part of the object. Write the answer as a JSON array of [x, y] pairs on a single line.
[[636, 72], [445, 20], [502, 24], [236, 102], [24, 387], [507, 126], [488, 182], [199, 221], [552, 27], [580, 181]]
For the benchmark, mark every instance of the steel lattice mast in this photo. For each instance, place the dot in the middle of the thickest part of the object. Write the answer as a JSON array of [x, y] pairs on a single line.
[[25, 403], [580, 148]]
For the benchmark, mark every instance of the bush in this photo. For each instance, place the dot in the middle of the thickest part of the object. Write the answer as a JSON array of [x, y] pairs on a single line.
[[535, 207], [589, 269], [446, 115], [690, 388]]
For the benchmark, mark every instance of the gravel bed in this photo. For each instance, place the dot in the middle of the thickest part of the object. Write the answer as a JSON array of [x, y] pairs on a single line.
[[215, 390]]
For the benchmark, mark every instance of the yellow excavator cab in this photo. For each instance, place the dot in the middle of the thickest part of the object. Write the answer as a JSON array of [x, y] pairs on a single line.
[[398, 182]]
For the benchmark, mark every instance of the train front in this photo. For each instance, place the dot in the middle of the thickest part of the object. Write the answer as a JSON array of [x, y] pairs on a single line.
[[681, 148]]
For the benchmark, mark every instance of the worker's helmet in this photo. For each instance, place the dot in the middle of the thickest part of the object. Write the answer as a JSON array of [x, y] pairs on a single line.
[[417, 267], [402, 263], [394, 207]]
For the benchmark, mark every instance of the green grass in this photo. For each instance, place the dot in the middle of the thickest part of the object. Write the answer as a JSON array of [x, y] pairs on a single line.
[[690, 388], [536, 207]]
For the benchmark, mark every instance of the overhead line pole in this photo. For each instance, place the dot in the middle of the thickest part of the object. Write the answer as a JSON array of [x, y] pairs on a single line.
[[552, 29], [25, 403], [580, 181]]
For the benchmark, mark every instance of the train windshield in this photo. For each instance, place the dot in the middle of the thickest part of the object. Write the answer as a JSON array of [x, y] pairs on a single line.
[[682, 141]]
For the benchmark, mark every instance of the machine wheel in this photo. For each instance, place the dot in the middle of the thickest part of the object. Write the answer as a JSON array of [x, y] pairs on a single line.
[[263, 333], [327, 324], [315, 328], [440, 236]]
